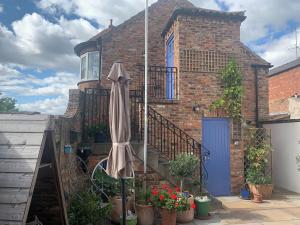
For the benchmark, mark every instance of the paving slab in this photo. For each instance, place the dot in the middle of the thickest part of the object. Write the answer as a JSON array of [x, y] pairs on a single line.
[[282, 209]]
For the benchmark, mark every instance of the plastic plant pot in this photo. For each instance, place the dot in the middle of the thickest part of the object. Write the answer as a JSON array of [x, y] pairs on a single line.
[[202, 206], [245, 194]]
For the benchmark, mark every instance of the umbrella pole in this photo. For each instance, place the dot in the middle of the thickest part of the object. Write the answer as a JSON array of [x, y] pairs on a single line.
[[124, 216], [146, 92]]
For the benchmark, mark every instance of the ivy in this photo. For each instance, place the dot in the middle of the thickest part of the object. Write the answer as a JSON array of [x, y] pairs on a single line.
[[231, 99]]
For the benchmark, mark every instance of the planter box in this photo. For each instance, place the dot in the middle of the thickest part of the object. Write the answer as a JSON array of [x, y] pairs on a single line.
[[263, 189]]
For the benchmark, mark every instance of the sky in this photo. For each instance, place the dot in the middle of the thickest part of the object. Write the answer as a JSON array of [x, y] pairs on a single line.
[[37, 61]]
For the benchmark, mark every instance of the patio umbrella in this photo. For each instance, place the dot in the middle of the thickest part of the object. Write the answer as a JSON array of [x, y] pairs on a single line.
[[119, 164]]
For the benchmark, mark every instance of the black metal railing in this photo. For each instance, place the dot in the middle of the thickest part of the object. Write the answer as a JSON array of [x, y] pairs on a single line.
[[96, 111], [162, 82], [168, 139]]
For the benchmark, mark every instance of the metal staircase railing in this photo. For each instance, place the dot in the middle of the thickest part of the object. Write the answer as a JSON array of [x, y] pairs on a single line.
[[169, 140]]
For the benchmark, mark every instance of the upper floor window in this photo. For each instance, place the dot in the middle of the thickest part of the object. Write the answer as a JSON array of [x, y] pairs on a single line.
[[90, 66]]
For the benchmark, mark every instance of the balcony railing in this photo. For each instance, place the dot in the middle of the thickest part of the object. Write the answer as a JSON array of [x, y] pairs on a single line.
[[162, 82]]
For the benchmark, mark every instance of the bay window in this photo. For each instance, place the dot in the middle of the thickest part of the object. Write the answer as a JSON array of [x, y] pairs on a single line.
[[90, 66]]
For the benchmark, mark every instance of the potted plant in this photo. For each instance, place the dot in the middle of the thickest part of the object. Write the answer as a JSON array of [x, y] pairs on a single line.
[[84, 151], [86, 207], [168, 200], [111, 187], [185, 211], [184, 167], [202, 206], [144, 207], [258, 181], [98, 132]]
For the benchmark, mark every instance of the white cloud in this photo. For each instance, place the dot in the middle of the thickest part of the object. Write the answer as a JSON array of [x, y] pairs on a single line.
[[37, 43], [264, 15], [53, 106], [53, 89], [206, 4], [279, 51], [58, 84], [104, 10], [1, 8]]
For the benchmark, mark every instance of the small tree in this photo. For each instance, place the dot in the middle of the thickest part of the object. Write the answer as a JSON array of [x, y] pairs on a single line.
[[7, 104], [183, 166]]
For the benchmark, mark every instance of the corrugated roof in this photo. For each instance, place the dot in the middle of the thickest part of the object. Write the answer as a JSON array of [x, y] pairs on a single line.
[[284, 67], [22, 139]]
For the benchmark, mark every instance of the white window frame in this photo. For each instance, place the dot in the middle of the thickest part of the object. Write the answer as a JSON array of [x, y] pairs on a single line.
[[87, 66]]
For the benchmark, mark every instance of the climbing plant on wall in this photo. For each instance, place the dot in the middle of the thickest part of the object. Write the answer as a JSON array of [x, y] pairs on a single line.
[[231, 98]]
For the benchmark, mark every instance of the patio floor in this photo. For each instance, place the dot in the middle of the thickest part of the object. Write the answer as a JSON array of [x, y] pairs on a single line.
[[282, 209]]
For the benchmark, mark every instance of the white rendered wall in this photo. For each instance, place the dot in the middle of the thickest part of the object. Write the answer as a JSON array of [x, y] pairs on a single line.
[[285, 138]]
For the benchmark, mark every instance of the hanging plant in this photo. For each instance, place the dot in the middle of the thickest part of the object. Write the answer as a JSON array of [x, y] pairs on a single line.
[[231, 99]]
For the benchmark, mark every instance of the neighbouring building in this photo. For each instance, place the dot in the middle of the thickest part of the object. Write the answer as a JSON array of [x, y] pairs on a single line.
[[188, 48], [284, 88]]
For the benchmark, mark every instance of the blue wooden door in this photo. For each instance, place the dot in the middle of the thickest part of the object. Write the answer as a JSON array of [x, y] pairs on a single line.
[[216, 138], [170, 63]]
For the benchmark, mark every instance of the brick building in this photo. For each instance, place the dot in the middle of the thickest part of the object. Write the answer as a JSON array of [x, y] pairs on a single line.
[[284, 83], [188, 48]]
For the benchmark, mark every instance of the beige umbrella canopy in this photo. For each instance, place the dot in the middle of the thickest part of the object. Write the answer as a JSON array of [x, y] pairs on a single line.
[[119, 164]]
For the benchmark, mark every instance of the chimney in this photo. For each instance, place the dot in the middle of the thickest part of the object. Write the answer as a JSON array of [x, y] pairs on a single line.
[[110, 23]]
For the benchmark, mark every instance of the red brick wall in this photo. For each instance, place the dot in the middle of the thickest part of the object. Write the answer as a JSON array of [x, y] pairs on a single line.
[[126, 41], [205, 87], [281, 87]]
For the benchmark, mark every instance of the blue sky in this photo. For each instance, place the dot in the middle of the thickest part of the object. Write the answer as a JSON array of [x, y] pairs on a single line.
[[37, 63]]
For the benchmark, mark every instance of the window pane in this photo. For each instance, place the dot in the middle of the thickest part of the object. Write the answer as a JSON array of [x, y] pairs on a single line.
[[93, 66], [83, 67]]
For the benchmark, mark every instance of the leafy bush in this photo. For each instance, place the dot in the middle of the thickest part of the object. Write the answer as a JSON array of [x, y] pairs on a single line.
[[87, 208], [183, 166], [231, 99], [110, 185], [257, 156]]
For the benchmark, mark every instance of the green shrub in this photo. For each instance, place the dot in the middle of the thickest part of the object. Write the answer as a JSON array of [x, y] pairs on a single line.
[[87, 208], [257, 157], [183, 166]]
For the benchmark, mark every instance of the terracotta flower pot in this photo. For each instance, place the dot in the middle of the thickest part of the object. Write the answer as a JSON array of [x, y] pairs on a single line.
[[168, 217], [145, 214], [263, 189], [257, 198], [187, 215], [117, 208]]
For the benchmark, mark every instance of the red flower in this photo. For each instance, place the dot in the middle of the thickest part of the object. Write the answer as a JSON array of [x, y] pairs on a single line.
[[177, 189], [165, 186], [154, 192], [161, 197], [170, 191], [173, 196], [193, 205]]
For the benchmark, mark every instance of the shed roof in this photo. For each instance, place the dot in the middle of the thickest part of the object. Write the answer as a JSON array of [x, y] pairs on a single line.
[[22, 140], [284, 67]]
